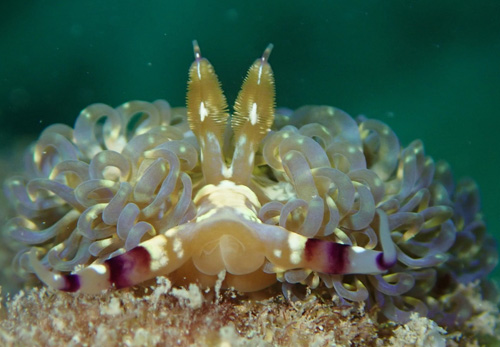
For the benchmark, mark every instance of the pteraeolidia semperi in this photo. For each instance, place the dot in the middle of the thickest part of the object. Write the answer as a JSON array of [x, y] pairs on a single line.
[[309, 197]]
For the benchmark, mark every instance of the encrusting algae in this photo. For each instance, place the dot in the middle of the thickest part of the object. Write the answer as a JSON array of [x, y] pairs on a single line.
[[166, 316], [370, 242]]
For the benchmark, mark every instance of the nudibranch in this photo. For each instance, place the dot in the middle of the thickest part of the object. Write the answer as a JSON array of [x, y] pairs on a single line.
[[254, 197]]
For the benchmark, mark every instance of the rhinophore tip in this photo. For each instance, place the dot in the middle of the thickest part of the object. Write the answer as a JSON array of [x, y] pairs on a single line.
[[267, 52], [196, 49]]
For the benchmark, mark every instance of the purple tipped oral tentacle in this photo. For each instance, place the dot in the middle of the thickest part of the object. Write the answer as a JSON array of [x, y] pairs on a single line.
[[72, 283], [127, 268], [335, 258]]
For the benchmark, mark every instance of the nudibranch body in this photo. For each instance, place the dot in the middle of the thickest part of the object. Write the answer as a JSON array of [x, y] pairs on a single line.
[[199, 195], [225, 233]]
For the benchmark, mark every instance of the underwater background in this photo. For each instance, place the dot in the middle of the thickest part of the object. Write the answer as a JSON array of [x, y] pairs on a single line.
[[430, 70]]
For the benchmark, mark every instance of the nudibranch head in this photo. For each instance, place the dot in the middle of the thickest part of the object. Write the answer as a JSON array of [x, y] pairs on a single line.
[[311, 197]]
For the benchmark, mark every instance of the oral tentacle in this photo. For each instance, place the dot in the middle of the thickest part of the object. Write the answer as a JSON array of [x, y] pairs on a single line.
[[160, 255], [336, 258], [207, 115], [253, 116], [286, 250]]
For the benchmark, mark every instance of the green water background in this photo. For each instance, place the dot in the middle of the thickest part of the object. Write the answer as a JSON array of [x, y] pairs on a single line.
[[429, 69]]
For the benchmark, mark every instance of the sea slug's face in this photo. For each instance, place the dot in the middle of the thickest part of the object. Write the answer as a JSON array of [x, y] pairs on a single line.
[[261, 195]]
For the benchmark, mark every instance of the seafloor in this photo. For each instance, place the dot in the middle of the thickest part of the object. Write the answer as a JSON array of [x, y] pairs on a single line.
[[164, 316]]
